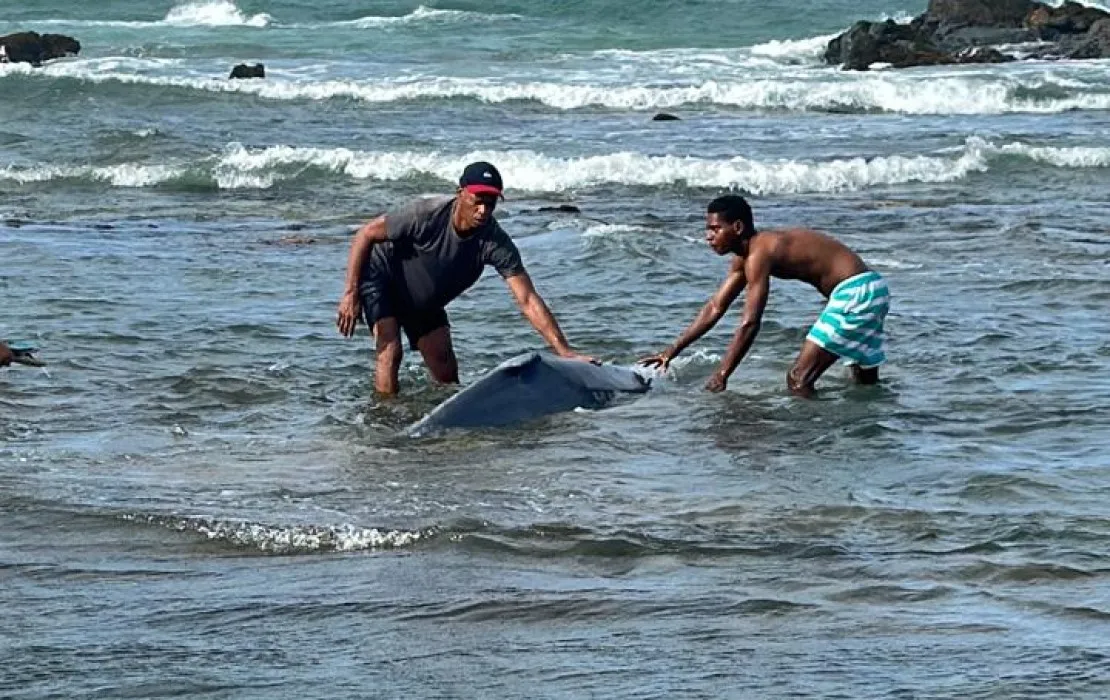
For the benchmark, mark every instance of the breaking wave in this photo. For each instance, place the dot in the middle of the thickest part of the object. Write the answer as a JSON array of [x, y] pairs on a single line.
[[240, 167], [421, 14], [820, 91]]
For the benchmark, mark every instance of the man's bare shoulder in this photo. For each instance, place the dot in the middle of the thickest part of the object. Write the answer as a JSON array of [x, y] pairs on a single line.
[[797, 232], [765, 246]]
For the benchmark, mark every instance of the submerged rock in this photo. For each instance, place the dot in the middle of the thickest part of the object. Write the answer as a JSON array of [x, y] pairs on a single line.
[[665, 117], [562, 209], [970, 31], [34, 48]]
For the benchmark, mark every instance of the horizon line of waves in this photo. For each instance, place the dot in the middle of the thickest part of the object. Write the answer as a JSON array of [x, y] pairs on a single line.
[[223, 13]]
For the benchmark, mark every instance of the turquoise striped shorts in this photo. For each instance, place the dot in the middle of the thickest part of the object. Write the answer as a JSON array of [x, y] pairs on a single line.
[[851, 325]]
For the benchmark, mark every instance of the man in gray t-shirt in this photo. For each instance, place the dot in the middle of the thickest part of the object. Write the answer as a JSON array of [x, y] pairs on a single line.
[[407, 265]]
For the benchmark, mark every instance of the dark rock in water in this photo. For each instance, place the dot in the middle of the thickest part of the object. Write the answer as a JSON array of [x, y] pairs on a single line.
[[562, 209], [1070, 18], [59, 46], [969, 31], [1095, 43], [882, 42], [244, 71], [294, 240], [900, 45], [664, 117], [104, 227], [34, 48], [980, 13]]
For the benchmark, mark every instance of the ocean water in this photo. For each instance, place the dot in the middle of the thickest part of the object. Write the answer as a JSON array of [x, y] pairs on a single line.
[[201, 497]]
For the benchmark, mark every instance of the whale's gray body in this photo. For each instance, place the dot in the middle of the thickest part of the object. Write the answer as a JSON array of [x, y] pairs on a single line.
[[530, 386]]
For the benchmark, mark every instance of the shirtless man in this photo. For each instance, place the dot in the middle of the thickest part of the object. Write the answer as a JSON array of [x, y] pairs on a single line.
[[850, 327], [407, 265]]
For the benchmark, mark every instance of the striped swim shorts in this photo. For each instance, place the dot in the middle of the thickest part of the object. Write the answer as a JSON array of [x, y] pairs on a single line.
[[851, 325]]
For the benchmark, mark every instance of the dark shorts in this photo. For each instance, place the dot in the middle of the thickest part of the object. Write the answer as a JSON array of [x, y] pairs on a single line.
[[377, 304]]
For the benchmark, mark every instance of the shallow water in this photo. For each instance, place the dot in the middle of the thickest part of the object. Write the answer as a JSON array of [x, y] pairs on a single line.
[[200, 495]]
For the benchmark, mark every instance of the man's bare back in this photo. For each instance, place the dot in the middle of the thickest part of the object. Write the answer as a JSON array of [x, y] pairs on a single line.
[[801, 254]]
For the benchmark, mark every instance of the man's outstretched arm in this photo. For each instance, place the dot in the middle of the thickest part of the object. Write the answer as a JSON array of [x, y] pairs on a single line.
[[372, 232], [712, 312], [758, 272], [535, 310]]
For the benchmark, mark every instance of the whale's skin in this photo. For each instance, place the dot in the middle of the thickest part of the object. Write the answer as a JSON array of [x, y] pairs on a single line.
[[528, 387]]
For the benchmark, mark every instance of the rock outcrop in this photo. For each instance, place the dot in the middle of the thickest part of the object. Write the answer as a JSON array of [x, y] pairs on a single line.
[[244, 71], [975, 31], [34, 48]]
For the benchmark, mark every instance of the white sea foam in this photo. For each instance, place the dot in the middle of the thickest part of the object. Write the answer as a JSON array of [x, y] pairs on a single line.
[[611, 230], [698, 357], [1073, 157], [239, 167], [344, 538], [422, 14], [214, 13], [959, 92], [206, 13], [291, 538], [901, 17], [537, 172], [223, 13], [794, 49], [889, 264], [1088, 3], [123, 175]]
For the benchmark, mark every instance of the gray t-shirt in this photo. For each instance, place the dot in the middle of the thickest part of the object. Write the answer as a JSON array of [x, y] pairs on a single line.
[[428, 264]]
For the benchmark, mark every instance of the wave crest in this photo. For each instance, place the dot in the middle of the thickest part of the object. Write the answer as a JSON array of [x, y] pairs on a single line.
[[817, 91], [421, 14], [239, 167], [213, 13]]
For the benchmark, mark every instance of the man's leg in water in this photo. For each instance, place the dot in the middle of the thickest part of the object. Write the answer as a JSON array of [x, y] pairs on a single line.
[[439, 355], [387, 339], [869, 375], [812, 362]]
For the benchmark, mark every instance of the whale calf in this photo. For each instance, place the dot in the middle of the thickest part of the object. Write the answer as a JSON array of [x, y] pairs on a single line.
[[530, 386]]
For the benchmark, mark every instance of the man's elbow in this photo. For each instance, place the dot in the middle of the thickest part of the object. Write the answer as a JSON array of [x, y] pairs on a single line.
[[371, 231]]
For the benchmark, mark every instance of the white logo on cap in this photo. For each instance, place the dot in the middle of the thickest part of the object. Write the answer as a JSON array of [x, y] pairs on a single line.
[[487, 174]]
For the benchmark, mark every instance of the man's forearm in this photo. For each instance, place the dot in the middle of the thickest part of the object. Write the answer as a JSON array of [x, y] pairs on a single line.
[[360, 247], [705, 320], [738, 348], [541, 318]]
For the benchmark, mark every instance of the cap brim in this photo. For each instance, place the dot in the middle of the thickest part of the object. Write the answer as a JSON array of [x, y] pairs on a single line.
[[484, 189]]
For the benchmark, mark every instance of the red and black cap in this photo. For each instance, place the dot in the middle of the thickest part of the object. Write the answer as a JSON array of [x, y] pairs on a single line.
[[482, 178]]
